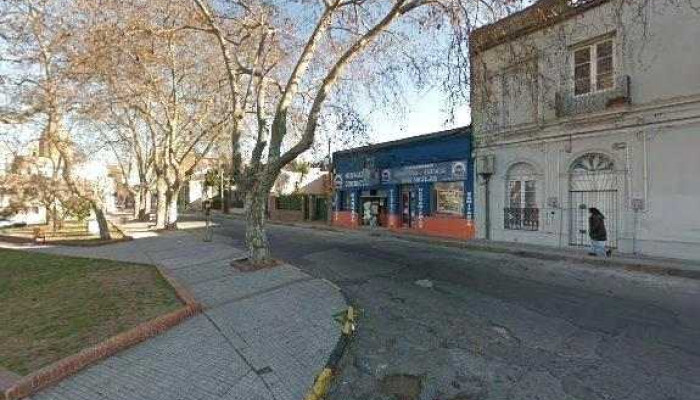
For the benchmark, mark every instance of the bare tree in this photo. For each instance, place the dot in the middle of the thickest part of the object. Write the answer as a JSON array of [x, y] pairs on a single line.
[[295, 70], [152, 79], [39, 41]]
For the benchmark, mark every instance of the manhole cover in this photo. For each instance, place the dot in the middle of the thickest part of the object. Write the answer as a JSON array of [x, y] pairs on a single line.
[[402, 387]]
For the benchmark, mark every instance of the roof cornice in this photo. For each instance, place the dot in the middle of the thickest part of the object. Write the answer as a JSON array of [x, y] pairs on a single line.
[[538, 16]]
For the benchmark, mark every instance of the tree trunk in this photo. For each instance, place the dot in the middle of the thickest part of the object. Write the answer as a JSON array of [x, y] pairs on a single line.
[[143, 204], [101, 222], [255, 235], [173, 196], [54, 216], [162, 206], [146, 198], [137, 204], [226, 200]]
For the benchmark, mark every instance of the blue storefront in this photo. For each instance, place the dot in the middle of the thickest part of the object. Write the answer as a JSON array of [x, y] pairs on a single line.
[[423, 184]]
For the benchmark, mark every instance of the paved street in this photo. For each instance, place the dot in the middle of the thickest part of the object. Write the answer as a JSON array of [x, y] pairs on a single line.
[[495, 326]]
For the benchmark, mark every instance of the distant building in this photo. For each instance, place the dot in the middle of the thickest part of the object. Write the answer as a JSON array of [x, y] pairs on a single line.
[[422, 184], [297, 196], [591, 103]]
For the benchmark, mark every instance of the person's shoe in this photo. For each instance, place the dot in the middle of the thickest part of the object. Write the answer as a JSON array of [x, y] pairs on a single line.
[[592, 254]]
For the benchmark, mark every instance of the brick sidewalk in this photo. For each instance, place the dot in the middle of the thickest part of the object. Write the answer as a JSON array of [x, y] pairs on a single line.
[[263, 335]]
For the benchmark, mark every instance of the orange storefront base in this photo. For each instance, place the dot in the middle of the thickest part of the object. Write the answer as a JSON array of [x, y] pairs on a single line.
[[447, 227], [457, 228], [345, 219]]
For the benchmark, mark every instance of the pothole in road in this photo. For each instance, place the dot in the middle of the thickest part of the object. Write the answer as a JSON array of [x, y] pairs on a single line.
[[402, 387]]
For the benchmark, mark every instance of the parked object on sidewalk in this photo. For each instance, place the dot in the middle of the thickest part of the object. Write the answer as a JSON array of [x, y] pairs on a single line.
[[208, 232], [597, 232]]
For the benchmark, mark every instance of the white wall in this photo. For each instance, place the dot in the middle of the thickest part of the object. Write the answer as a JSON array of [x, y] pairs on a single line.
[[658, 50], [654, 141]]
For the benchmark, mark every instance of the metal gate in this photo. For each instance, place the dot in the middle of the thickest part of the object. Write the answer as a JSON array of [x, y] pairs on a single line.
[[580, 201], [321, 209]]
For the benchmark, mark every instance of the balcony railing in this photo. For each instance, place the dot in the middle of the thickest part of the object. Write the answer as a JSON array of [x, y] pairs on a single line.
[[568, 104], [521, 219]]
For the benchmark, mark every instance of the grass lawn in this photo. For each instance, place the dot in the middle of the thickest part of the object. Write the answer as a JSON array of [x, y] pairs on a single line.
[[53, 306]]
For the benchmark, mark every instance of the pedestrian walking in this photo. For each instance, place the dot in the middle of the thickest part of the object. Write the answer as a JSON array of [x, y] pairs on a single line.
[[597, 232]]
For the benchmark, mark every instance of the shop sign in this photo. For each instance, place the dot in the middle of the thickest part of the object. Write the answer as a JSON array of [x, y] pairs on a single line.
[[423, 173], [354, 179], [353, 209], [420, 208], [392, 202], [435, 172], [470, 205]]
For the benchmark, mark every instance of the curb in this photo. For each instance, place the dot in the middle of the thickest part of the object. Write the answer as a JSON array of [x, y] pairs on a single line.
[[62, 369], [651, 267], [324, 378]]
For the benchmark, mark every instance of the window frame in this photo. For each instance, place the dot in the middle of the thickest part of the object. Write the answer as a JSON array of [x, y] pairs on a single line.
[[523, 192], [592, 47], [435, 206], [524, 216]]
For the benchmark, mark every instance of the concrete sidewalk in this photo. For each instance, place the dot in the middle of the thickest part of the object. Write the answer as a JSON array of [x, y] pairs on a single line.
[[639, 263], [263, 335]]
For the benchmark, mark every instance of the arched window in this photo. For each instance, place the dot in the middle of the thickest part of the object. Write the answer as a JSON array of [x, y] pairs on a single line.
[[593, 172], [521, 212]]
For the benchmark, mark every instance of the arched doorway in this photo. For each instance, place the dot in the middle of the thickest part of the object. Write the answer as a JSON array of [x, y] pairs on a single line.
[[593, 182]]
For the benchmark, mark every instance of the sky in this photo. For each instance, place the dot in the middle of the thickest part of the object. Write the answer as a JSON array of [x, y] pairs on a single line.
[[424, 114]]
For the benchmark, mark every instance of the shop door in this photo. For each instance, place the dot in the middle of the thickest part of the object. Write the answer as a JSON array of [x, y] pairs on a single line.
[[581, 201], [406, 207]]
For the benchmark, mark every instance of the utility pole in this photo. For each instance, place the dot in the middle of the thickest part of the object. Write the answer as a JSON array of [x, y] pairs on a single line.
[[331, 189], [221, 185]]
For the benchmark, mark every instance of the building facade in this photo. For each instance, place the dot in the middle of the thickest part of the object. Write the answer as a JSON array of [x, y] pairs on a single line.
[[422, 184], [297, 196], [590, 103]]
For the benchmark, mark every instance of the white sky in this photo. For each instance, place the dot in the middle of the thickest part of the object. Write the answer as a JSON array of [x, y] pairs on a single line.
[[424, 114]]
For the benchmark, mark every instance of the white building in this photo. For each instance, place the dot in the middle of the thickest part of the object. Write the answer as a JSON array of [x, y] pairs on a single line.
[[590, 103]]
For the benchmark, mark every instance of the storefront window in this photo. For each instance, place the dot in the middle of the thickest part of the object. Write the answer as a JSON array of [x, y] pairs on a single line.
[[449, 198]]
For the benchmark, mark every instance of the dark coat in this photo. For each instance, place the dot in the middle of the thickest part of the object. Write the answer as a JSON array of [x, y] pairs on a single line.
[[596, 228]]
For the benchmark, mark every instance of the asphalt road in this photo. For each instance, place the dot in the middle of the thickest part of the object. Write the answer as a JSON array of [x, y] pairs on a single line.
[[445, 323]]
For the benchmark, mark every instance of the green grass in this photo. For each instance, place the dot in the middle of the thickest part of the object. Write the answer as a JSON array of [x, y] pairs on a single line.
[[54, 306]]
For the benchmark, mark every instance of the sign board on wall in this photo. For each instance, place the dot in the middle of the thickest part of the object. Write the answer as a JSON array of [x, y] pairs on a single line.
[[423, 173]]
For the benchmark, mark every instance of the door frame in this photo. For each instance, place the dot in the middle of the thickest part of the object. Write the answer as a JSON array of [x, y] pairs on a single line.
[[578, 216]]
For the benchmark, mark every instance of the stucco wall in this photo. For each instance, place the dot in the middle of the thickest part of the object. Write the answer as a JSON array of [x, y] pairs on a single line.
[[656, 165], [656, 47], [653, 140]]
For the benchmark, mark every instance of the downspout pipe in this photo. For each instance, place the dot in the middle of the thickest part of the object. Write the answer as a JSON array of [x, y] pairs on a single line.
[[487, 206]]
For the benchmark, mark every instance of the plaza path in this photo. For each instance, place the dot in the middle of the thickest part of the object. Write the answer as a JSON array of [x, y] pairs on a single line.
[[263, 335]]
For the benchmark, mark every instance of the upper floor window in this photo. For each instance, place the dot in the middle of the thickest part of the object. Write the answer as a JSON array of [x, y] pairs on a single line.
[[594, 67]]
